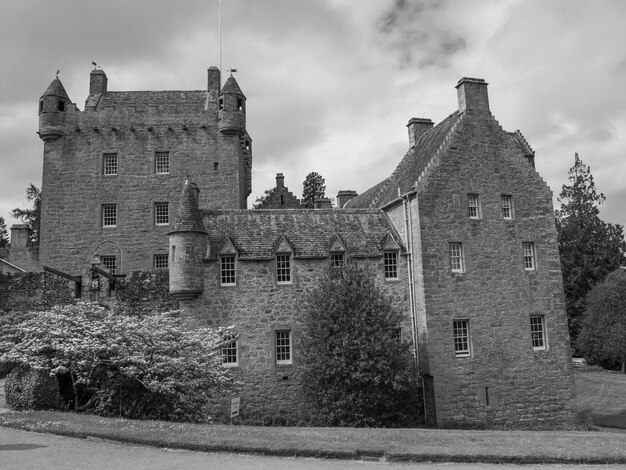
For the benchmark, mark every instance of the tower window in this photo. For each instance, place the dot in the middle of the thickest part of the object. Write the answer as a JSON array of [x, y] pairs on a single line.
[[507, 207], [109, 215], [538, 332], [220, 104], [283, 347], [109, 164], [229, 352], [461, 338], [239, 104], [456, 257], [61, 105], [162, 163], [161, 213], [473, 206], [41, 105], [216, 166], [529, 256]]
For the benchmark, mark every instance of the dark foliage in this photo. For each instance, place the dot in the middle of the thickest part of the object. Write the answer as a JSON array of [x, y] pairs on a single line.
[[32, 389], [589, 248], [602, 338], [356, 372], [314, 187], [4, 233], [32, 216]]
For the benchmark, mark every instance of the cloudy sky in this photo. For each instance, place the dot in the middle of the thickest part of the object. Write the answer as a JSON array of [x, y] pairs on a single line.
[[331, 84]]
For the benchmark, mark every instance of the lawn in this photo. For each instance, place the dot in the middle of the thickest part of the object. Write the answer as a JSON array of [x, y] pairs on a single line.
[[600, 395]]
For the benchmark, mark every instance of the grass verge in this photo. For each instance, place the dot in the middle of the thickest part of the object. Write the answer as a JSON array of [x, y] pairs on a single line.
[[436, 445]]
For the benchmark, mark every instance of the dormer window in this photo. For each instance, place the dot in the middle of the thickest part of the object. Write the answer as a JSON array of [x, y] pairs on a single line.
[[283, 269]]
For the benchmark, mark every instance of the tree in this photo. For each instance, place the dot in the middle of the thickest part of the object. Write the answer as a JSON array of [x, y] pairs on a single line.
[[589, 248], [32, 216], [356, 370], [602, 338], [139, 367], [261, 201], [4, 234], [314, 187]]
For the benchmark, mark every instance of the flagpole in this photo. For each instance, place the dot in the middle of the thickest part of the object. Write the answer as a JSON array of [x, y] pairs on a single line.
[[220, 39]]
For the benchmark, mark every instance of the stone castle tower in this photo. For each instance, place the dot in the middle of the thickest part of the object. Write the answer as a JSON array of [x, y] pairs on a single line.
[[112, 173]]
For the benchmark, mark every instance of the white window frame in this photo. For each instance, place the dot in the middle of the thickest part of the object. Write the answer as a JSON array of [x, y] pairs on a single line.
[[230, 353], [161, 261], [161, 213], [473, 206], [284, 272], [283, 347], [109, 164], [538, 332], [507, 207], [530, 258], [457, 261], [109, 215], [462, 340], [162, 162], [228, 270], [390, 263]]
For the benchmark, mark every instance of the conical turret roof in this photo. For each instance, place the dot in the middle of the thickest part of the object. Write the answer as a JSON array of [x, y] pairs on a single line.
[[188, 216], [231, 86], [56, 89]]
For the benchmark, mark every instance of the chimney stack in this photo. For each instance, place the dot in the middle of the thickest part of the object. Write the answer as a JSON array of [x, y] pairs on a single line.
[[97, 82], [344, 196], [322, 203], [472, 94], [280, 180], [417, 127], [213, 80]]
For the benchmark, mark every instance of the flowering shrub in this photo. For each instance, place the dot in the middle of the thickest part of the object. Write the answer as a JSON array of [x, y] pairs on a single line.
[[32, 389], [140, 367]]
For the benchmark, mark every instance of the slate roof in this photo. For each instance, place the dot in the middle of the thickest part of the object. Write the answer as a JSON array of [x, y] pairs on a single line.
[[195, 99], [409, 169], [188, 216], [309, 231], [231, 86], [56, 88]]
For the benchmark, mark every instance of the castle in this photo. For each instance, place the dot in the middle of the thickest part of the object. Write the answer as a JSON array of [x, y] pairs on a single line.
[[461, 236]]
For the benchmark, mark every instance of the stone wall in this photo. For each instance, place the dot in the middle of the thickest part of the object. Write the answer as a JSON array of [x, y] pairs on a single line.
[[503, 379], [257, 306]]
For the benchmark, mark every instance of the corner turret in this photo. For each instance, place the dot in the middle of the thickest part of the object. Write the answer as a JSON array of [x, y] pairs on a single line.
[[188, 242], [53, 107], [232, 108]]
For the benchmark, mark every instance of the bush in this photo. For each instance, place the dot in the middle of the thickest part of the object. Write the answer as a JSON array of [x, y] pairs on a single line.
[[356, 371], [32, 389]]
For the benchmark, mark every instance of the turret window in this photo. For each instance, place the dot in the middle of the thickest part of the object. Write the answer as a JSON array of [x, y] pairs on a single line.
[[162, 163], [109, 164], [220, 104], [41, 105], [61, 105], [239, 104]]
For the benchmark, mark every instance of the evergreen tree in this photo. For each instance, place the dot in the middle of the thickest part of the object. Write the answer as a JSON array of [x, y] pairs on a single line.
[[32, 217], [602, 338], [357, 372], [262, 201], [589, 248], [4, 234], [314, 187]]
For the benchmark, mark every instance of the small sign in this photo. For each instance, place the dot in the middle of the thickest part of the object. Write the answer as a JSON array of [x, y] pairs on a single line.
[[234, 407]]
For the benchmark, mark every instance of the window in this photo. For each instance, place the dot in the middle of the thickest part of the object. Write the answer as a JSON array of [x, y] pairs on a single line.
[[239, 104], [227, 270], [162, 163], [538, 332], [461, 338], [529, 256], [396, 334], [220, 103], [507, 207], [391, 264], [336, 264], [109, 164], [109, 215], [109, 262], [456, 257], [61, 105], [161, 261], [283, 347], [41, 105], [161, 213], [216, 166], [229, 352], [473, 206], [283, 269]]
